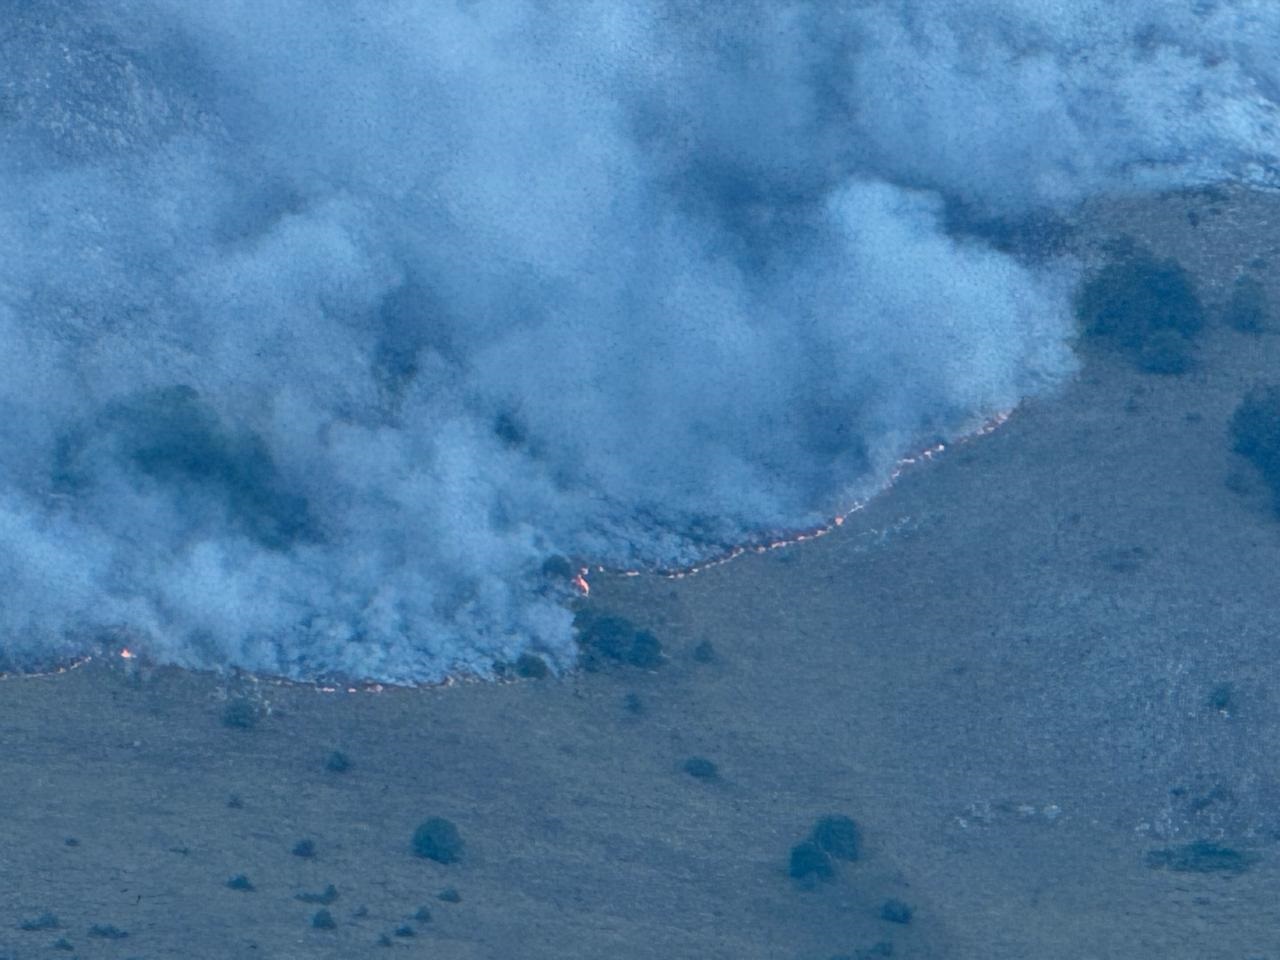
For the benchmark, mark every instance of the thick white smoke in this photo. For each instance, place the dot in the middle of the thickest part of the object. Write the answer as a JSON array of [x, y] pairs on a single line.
[[324, 325]]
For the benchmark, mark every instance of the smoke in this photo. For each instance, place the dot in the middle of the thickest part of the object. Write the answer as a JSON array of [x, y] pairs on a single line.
[[323, 326]]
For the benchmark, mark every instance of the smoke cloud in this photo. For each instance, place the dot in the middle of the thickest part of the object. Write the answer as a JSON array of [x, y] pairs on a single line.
[[323, 326]]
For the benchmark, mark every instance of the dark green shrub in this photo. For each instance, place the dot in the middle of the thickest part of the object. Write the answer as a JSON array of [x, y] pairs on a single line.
[[46, 921], [605, 639], [449, 895], [645, 652], [704, 652], [324, 898], [1222, 698], [1248, 307], [438, 839], [1255, 435], [240, 882], [810, 862], [837, 835], [895, 911], [422, 914], [176, 438], [240, 714], [1201, 857], [305, 849], [338, 762], [532, 667], [1146, 308], [558, 567], [405, 931], [1165, 352], [107, 931], [700, 768], [322, 920]]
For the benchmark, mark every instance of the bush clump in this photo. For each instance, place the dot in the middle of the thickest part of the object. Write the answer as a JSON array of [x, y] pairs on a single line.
[[895, 911], [530, 666], [240, 714], [1255, 435], [324, 897], [107, 931], [337, 762], [305, 849], [1201, 857], [1248, 307], [810, 862], [700, 768], [1146, 308], [837, 835], [609, 639], [46, 921], [322, 920], [438, 839]]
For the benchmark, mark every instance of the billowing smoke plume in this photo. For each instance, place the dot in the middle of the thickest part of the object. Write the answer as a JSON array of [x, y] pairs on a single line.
[[324, 325]]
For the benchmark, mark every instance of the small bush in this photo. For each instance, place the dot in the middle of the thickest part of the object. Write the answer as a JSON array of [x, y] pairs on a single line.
[[1255, 435], [438, 839], [422, 914], [1165, 352], [305, 849], [337, 762], [1201, 857], [895, 911], [558, 567], [240, 714], [449, 895], [532, 667], [46, 921], [837, 835], [240, 882], [810, 862], [406, 931], [700, 768], [1248, 307], [322, 920], [705, 652], [324, 898], [107, 931], [605, 639], [1147, 308], [1222, 698], [645, 652]]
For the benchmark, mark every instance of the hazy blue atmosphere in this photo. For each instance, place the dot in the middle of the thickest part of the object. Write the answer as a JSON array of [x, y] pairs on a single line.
[[324, 326]]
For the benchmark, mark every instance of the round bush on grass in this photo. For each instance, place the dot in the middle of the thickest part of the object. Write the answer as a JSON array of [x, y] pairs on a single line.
[[438, 839]]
